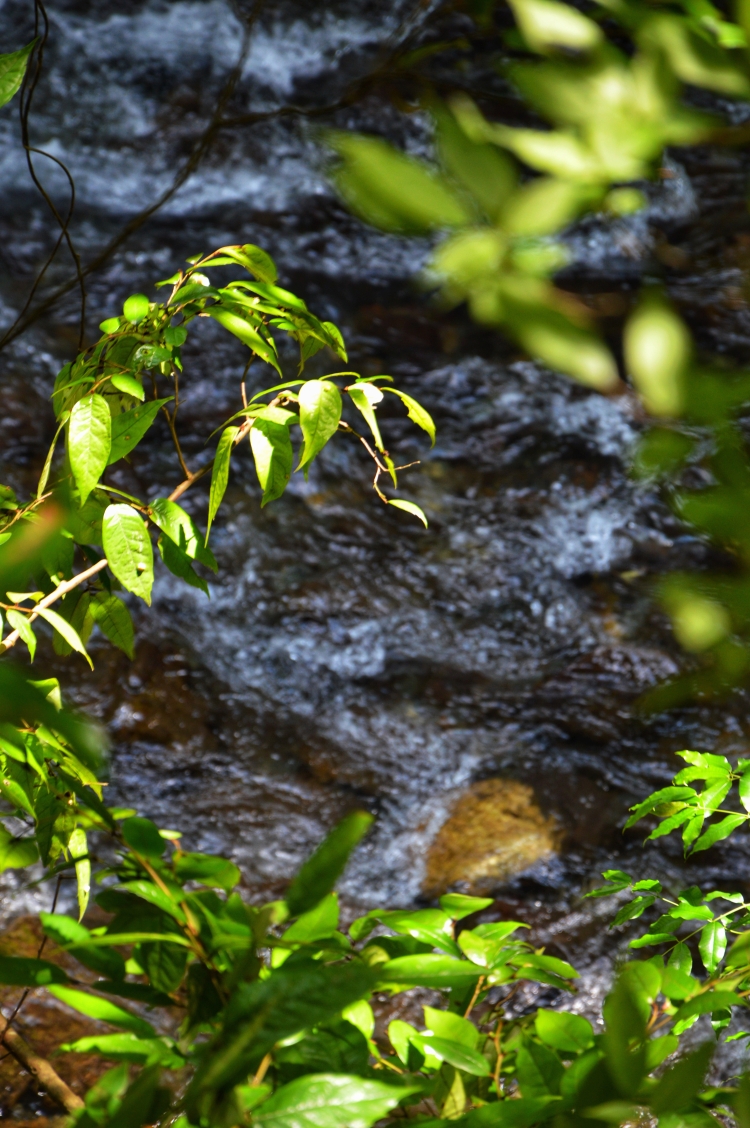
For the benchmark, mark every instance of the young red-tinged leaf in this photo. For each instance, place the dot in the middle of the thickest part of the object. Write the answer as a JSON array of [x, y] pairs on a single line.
[[719, 831], [713, 945], [220, 473], [114, 621], [128, 549], [416, 413], [319, 415], [89, 442]]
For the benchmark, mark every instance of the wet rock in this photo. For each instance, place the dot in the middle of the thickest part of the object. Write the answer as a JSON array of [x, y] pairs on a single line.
[[494, 831]]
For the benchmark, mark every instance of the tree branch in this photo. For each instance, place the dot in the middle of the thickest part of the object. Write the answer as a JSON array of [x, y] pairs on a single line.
[[58, 593], [41, 1069]]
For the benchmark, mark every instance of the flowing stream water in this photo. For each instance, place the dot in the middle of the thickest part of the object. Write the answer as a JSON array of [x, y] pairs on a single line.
[[484, 669]]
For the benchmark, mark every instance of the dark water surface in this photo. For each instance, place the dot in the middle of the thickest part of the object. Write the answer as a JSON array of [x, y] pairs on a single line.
[[348, 657]]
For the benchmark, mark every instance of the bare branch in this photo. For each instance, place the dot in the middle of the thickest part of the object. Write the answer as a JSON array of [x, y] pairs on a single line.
[[58, 593]]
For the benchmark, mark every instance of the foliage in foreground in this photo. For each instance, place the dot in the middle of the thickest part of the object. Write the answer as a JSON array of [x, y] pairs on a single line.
[[224, 1014], [610, 84]]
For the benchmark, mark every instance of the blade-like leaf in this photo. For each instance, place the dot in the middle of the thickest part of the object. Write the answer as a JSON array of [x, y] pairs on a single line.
[[409, 507], [64, 628], [102, 1009], [416, 413], [18, 971], [220, 473], [324, 867]]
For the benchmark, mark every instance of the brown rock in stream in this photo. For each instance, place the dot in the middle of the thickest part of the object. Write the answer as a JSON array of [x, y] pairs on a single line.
[[495, 830]]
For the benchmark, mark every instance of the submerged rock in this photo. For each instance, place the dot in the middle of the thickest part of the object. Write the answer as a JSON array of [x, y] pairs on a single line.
[[494, 831]]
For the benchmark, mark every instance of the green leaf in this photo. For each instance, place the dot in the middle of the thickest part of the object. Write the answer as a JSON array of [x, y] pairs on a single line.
[[665, 795], [429, 970], [324, 867], [129, 385], [114, 621], [416, 413], [564, 1031], [102, 1009], [128, 1047], [320, 921], [257, 261], [179, 564], [220, 473], [241, 328], [20, 622], [718, 831], [392, 191], [65, 630], [17, 971], [164, 964], [319, 415], [89, 442], [129, 428], [207, 869], [708, 1003], [155, 896], [272, 451], [470, 1061], [12, 70], [458, 905], [330, 1100], [143, 836], [128, 549], [445, 1024], [409, 507], [713, 945], [79, 851], [135, 308], [365, 398], [678, 1086], [182, 529], [17, 853], [744, 789]]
